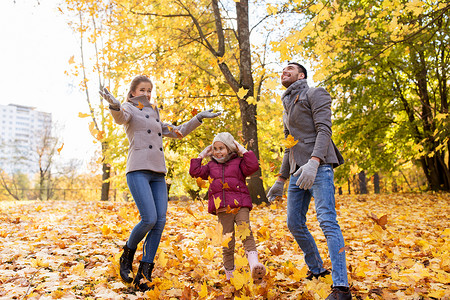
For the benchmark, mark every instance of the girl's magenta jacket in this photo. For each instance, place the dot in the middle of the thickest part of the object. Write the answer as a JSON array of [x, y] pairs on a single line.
[[228, 180]]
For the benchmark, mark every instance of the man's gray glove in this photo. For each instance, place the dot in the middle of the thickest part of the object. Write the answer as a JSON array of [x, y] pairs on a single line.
[[206, 152], [113, 102], [307, 174], [276, 190], [207, 114]]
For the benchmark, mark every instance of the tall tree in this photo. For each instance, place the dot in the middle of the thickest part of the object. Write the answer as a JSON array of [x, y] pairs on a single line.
[[199, 53], [387, 64]]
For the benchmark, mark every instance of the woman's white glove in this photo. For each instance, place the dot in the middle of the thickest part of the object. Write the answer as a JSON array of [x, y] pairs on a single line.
[[206, 152], [307, 174], [207, 114], [113, 102], [276, 190], [240, 148]]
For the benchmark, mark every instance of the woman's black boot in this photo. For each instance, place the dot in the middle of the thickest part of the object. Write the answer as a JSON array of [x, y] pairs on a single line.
[[126, 264], [143, 276]]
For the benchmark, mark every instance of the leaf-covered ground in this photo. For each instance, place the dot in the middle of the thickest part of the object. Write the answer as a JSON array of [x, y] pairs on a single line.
[[70, 250]]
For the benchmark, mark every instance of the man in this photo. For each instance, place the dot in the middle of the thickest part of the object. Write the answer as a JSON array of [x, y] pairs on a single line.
[[310, 163]]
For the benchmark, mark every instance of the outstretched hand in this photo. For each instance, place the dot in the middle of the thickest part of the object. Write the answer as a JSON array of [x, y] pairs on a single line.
[[207, 114], [113, 102]]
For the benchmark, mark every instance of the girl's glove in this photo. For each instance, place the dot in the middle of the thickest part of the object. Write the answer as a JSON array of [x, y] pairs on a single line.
[[207, 114], [113, 102], [307, 174], [206, 152], [276, 190], [240, 148]]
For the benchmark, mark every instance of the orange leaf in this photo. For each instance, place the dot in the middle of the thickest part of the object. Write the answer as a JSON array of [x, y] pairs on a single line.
[[60, 148], [201, 183], [210, 179], [179, 134], [140, 105], [382, 221], [289, 142], [82, 115], [225, 185], [72, 59], [272, 167], [232, 210], [346, 248], [194, 112]]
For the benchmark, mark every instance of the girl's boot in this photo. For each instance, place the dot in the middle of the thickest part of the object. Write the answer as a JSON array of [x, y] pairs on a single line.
[[143, 276], [258, 269], [126, 264]]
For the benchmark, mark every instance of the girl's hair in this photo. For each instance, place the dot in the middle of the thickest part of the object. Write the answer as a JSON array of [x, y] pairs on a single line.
[[135, 82]]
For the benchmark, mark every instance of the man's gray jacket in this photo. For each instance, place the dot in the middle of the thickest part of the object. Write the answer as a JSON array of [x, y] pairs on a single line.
[[307, 117]]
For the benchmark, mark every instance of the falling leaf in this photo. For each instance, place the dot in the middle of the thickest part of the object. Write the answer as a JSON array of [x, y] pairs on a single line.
[[201, 183], [232, 210], [83, 115], [226, 238], [272, 167], [60, 148], [217, 202], [289, 142], [241, 93], [140, 105], [382, 221], [72, 59], [236, 202], [210, 179], [179, 134], [224, 185], [243, 230], [194, 112], [190, 212], [346, 248]]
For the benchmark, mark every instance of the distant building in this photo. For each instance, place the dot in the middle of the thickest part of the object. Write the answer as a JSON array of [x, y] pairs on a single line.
[[21, 130]]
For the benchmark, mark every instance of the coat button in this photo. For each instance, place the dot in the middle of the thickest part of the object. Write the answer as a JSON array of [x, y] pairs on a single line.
[[160, 149], [147, 116], [159, 133], [157, 120], [149, 131], [150, 146]]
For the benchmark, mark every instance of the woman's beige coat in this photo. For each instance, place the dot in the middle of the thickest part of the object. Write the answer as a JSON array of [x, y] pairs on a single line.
[[145, 131]]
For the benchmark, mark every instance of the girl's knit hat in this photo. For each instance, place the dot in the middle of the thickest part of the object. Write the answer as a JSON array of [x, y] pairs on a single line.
[[227, 139]]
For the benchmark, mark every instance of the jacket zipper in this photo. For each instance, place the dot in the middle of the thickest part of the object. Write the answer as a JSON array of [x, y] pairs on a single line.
[[223, 182]]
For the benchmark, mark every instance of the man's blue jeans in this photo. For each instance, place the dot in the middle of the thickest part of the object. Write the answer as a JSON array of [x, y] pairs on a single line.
[[149, 191], [297, 207]]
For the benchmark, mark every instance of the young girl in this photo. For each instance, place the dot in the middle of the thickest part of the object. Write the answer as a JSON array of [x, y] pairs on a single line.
[[146, 171], [230, 164]]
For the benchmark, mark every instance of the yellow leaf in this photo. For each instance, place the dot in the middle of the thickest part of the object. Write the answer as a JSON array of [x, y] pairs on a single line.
[[83, 115], [243, 230], [236, 202], [226, 238], [105, 229], [217, 202], [289, 142], [241, 93], [72, 59], [251, 100]]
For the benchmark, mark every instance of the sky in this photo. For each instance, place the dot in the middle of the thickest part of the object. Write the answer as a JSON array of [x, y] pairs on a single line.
[[35, 47]]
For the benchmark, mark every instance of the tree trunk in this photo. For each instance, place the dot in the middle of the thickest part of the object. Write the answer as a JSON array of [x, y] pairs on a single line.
[[106, 169], [362, 182], [376, 183]]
